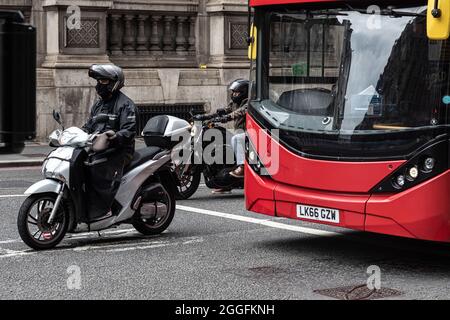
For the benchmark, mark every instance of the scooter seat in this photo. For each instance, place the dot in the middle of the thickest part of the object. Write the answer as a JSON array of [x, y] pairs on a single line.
[[141, 156]]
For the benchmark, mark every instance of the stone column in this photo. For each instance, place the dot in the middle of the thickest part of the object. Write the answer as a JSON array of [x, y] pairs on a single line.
[[227, 33], [180, 40], [276, 45], [191, 39], [141, 38], [38, 20], [155, 39], [116, 34], [129, 39], [168, 35], [68, 47]]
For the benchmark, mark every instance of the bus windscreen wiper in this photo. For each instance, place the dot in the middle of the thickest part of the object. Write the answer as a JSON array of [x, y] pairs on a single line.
[[389, 11], [394, 13]]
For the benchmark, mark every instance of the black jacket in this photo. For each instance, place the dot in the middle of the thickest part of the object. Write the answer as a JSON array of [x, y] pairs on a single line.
[[122, 120]]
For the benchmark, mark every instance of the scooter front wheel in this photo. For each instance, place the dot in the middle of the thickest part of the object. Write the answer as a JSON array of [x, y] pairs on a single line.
[[189, 182], [32, 222]]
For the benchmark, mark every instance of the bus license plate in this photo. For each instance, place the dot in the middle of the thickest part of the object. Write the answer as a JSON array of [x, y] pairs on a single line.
[[318, 213]]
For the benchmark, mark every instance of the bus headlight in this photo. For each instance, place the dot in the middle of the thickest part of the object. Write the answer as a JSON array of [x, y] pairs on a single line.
[[253, 160], [400, 180], [423, 166], [259, 165], [428, 164], [252, 156], [413, 173]]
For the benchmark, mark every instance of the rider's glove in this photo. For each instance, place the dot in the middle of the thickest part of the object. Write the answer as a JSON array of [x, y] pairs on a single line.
[[225, 119], [112, 138], [111, 134], [221, 119], [199, 117], [221, 111]]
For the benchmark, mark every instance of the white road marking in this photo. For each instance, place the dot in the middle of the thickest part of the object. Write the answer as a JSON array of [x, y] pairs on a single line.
[[157, 245], [119, 247], [267, 223], [13, 196], [7, 253], [106, 246], [78, 236], [134, 248], [36, 168], [9, 241]]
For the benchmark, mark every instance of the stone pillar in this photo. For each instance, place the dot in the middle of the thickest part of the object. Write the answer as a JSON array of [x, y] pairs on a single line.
[[155, 39], [129, 39], [228, 28], [191, 39], [68, 47], [141, 38], [276, 45], [38, 19], [116, 34], [181, 40], [168, 35]]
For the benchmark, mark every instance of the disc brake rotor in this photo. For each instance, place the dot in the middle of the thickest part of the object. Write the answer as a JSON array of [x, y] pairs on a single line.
[[43, 225]]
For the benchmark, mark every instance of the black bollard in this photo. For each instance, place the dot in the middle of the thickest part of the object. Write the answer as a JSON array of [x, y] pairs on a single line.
[[17, 82]]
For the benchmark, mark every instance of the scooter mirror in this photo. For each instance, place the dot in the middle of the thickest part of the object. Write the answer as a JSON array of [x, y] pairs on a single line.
[[57, 117]]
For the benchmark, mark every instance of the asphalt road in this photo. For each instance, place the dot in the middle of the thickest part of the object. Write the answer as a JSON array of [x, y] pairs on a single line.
[[207, 254]]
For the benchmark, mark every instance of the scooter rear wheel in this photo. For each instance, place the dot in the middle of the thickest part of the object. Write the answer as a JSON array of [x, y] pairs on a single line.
[[156, 226], [32, 222]]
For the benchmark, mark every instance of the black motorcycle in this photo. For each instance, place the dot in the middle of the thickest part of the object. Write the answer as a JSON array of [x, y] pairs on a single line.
[[217, 174]]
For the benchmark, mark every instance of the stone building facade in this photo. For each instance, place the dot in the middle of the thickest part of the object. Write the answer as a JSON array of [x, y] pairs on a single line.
[[178, 55]]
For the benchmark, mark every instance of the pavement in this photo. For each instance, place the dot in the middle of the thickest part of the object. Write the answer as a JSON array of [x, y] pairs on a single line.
[[35, 153]]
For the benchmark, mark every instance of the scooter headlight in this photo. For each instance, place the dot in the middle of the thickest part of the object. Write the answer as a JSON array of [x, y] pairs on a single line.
[[54, 175], [44, 168]]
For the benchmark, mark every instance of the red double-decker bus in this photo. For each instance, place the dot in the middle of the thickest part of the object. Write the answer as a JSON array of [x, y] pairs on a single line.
[[353, 97]]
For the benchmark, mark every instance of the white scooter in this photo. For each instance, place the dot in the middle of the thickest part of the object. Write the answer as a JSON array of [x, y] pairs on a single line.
[[57, 205]]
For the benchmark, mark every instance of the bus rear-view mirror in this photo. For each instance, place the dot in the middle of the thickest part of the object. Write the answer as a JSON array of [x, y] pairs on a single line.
[[438, 19]]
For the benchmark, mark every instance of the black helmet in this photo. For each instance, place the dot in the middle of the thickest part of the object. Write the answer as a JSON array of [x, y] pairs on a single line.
[[240, 86], [110, 72]]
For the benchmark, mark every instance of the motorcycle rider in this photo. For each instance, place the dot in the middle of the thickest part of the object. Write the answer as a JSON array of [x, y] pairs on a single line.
[[105, 167], [235, 111]]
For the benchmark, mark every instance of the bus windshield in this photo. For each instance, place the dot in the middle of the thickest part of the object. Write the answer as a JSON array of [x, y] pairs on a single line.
[[351, 82]]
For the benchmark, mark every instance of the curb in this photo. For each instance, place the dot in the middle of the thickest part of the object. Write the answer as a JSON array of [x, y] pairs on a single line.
[[21, 163]]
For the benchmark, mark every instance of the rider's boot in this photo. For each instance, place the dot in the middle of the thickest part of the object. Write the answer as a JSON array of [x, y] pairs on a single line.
[[238, 172], [221, 191]]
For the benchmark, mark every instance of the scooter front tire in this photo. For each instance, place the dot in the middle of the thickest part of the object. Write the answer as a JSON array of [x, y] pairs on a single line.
[[24, 219]]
